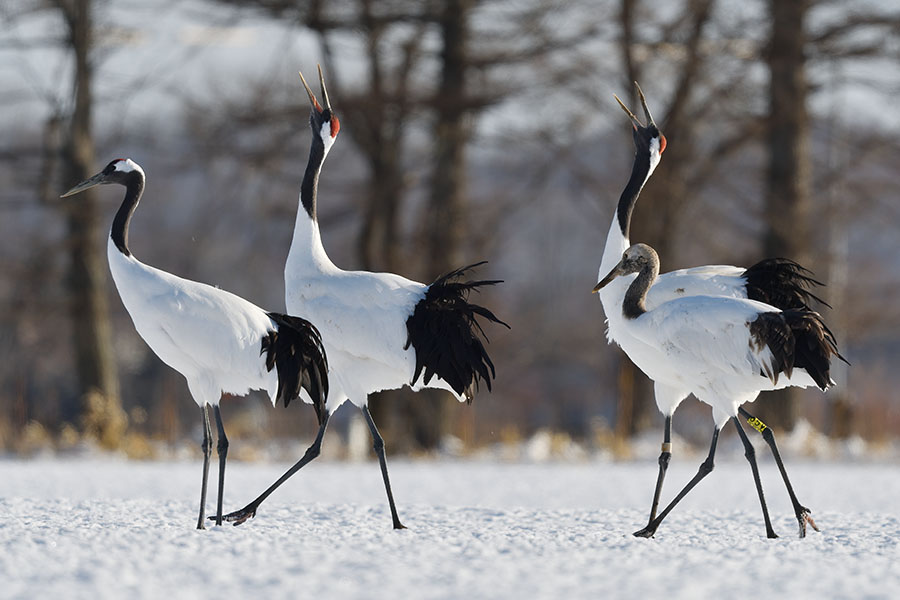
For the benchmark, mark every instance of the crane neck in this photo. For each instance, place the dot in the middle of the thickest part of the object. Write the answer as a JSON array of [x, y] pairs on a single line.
[[634, 304], [309, 187], [134, 189], [307, 250], [643, 167], [617, 240]]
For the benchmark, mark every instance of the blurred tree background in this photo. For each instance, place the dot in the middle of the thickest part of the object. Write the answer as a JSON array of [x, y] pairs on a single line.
[[472, 129]]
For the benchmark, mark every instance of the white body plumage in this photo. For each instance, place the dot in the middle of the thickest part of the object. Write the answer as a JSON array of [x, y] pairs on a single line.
[[723, 350], [360, 315], [712, 280], [210, 336], [702, 345]]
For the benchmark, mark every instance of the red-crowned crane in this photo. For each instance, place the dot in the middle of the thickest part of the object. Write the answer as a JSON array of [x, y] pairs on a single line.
[[724, 350], [381, 331], [779, 282], [220, 342]]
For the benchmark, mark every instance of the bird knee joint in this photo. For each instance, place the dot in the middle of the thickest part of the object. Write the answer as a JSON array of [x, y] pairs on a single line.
[[222, 446], [750, 452], [707, 467], [378, 445], [314, 451], [664, 459]]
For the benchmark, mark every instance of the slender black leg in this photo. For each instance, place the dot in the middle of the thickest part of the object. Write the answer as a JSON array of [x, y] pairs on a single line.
[[222, 450], [706, 468], [249, 511], [800, 511], [379, 450], [663, 465], [207, 448], [750, 453]]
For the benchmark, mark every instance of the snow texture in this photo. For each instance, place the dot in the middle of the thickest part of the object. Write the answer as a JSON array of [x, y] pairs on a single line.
[[105, 528]]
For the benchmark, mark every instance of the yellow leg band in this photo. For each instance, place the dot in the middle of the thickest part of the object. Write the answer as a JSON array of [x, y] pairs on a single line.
[[667, 447], [757, 424]]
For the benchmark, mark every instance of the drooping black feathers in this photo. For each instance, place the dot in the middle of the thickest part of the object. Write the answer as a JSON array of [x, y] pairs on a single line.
[[798, 339], [782, 283], [445, 335], [296, 351]]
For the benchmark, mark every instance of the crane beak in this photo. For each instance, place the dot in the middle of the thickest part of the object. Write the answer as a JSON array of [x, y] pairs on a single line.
[[312, 97], [324, 91], [634, 119], [617, 270], [628, 112], [86, 184], [640, 92]]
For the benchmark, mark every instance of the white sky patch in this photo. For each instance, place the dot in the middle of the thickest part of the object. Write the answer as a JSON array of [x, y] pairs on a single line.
[[232, 37]]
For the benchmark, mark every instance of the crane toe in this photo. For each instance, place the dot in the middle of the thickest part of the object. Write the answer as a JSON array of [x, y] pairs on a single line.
[[239, 516], [804, 518], [646, 532]]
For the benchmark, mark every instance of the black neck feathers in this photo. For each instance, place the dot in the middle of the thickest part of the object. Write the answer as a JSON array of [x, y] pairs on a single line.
[[309, 187], [627, 200], [633, 306], [134, 188]]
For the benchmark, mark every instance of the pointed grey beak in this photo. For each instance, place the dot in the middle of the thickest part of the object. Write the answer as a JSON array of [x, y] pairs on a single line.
[[631, 115], [86, 184], [628, 112], [616, 271], [312, 97], [640, 92], [324, 91]]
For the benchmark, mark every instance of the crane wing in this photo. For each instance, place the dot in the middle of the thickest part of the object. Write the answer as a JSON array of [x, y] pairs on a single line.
[[193, 327], [710, 280], [707, 337]]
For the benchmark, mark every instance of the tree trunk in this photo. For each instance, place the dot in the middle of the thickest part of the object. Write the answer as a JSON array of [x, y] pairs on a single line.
[[788, 194], [445, 219], [101, 412]]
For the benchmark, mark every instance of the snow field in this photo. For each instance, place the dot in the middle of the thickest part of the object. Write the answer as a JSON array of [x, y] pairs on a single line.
[[105, 528]]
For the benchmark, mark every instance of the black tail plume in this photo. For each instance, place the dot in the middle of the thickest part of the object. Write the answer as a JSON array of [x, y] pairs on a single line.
[[798, 339], [296, 351], [782, 283], [814, 345], [446, 336]]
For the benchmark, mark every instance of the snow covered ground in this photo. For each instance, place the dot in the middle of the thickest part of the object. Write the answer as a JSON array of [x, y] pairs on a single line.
[[108, 528]]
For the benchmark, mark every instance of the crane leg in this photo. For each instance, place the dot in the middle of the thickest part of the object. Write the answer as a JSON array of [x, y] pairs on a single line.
[[705, 469], [222, 451], [249, 511], [206, 446], [379, 450], [750, 453], [664, 458], [800, 511]]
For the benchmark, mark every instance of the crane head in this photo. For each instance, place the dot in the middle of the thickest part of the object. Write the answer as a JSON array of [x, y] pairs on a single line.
[[119, 170], [646, 137], [634, 260], [323, 121]]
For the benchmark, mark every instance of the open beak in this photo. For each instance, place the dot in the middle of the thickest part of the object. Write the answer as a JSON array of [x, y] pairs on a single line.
[[312, 97], [617, 270], [86, 184], [631, 115], [324, 91]]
